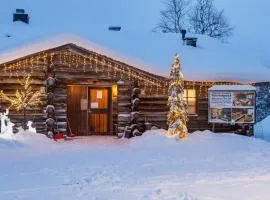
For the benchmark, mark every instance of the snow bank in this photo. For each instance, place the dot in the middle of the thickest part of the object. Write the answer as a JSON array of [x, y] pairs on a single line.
[[206, 166], [262, 129], [30, 137], [9, 144], [23, 139]]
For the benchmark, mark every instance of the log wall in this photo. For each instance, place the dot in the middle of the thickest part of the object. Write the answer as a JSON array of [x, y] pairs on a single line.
[[154, 108], [99, 71], [123, 106]]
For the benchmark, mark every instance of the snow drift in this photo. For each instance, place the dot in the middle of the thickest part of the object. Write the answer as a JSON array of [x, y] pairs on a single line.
[[205, 166], [262, 129]]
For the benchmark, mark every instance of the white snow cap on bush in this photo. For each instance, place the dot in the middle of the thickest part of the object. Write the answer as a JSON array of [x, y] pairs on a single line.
[[6, 126], [6, 131]]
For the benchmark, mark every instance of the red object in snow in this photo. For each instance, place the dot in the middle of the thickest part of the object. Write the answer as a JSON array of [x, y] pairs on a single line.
[[58, 136], [71, 135]]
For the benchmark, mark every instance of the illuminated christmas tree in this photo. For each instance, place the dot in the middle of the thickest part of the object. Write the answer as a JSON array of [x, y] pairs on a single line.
[[23, 98], [177, 116]]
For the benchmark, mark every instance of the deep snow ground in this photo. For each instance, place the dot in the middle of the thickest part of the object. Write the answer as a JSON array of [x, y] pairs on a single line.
[[207, 166], [262, 129]]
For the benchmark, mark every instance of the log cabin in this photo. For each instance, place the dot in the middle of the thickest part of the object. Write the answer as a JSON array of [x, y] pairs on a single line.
[[89, 92]]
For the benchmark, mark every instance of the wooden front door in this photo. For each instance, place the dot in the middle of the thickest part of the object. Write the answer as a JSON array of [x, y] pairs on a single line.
[[99, 114], [77, 111], [89, 110]]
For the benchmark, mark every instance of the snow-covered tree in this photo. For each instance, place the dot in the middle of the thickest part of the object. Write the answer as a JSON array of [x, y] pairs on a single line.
[[195, 16], [177, 116], [173, 17], [206, 19]]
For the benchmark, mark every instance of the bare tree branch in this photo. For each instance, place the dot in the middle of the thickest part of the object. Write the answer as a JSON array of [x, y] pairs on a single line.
[[203, 18], [172, 19], [207, 20]]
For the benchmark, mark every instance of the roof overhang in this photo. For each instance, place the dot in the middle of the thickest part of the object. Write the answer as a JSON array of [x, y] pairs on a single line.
[[65, 39]]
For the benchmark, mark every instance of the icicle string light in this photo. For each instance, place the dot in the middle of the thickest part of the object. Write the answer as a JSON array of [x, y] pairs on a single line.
[[97, 63]]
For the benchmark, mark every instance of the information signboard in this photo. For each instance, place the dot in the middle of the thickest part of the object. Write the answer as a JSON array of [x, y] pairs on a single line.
[[232, 107]]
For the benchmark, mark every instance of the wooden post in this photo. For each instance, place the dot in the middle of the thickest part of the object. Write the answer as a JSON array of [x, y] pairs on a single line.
[[213, 127], [24, 119]]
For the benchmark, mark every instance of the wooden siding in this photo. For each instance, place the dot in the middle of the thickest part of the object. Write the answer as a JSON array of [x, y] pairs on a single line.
[[77, 118], [72, 65]]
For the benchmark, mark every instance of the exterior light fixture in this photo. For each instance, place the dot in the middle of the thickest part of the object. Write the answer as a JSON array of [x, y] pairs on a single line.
[[114, 91]]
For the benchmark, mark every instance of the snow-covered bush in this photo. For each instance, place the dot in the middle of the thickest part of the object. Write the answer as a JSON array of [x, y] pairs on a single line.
[[6, 131], [262, 101]]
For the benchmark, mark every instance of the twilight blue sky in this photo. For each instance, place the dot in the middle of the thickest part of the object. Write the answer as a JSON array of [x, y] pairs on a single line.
[[134, 15], [244, 57]]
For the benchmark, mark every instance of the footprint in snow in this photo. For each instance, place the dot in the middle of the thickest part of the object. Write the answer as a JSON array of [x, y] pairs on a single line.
[[158, 191], [187, 197], [160, 194], [88, 180]]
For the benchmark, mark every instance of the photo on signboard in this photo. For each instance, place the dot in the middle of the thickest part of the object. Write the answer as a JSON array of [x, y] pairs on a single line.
[[243, 115], [220, 115], [242, 99]]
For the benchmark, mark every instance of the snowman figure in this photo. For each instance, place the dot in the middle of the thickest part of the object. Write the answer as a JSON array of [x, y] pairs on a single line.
[[4, 120], [9, 133], [6, 126], [30, 128]]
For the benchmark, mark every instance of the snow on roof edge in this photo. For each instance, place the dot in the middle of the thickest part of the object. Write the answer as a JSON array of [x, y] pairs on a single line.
[[232, 88], [68, 38]]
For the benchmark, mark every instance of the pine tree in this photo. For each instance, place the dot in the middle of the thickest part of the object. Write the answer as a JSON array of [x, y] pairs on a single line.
[[177, 116]]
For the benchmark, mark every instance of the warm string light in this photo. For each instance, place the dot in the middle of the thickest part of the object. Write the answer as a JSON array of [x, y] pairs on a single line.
[[109, 69], [177, 115], [76, 60], [68, 58], [84, 64], [25, 97]]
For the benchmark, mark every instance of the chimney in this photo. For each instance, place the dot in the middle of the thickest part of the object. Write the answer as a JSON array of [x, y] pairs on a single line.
[[20, 15], [191, 41], [114, 28], [183, 32]]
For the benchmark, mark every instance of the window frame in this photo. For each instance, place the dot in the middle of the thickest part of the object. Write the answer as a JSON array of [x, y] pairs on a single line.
[[186, 98]]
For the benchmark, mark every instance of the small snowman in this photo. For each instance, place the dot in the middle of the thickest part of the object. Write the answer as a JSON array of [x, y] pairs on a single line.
[[30, 128], [7, 132], [4, 119]]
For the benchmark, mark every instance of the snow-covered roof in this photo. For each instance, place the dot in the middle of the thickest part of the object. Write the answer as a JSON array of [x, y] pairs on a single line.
[[232, 88], [245, 58], [63, 39]]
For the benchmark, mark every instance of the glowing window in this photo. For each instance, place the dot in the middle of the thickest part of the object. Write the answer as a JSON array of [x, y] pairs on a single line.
[[190, 98]]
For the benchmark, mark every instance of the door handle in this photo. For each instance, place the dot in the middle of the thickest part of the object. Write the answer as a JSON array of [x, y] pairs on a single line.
[[89, 111]]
